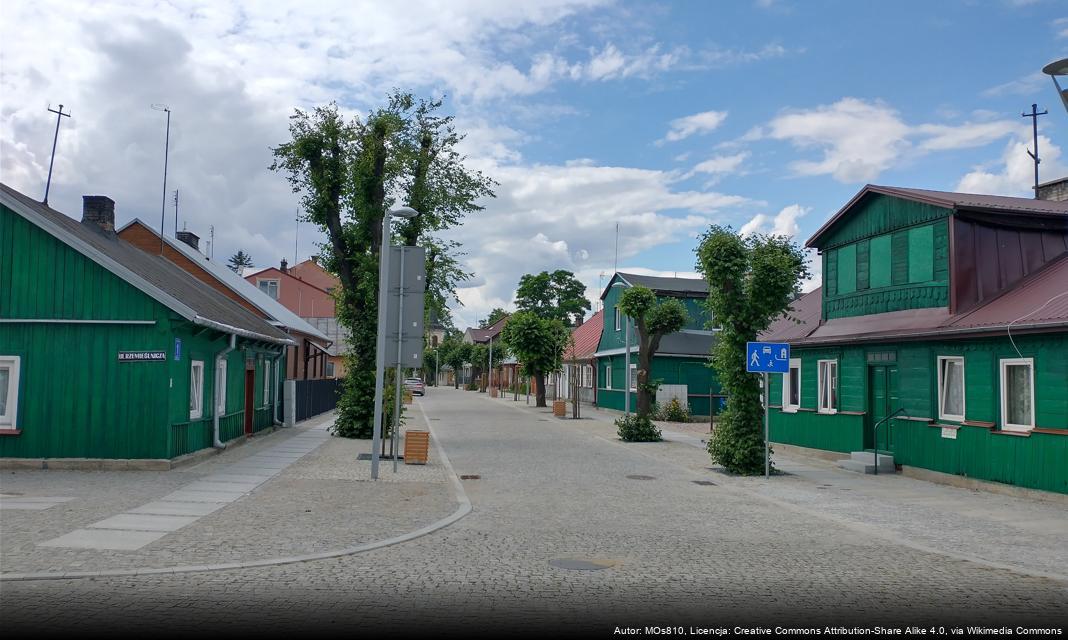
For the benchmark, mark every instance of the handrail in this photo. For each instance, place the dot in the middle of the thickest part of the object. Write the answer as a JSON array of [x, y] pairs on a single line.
[[875, 435]]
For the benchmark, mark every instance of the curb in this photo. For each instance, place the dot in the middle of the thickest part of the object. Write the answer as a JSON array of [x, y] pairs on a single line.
[[462, 510]]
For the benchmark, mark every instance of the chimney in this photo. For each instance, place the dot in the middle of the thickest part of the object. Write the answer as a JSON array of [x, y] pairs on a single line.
[[285, 266], [99, 212], [1054, 190], [190, 238]]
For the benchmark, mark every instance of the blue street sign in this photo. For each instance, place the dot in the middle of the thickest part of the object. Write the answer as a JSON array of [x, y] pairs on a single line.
[[767, 357]]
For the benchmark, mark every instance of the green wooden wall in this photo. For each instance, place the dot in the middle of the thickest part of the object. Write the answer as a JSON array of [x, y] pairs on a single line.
[[693, 372], [1035, 460], [696, 308]]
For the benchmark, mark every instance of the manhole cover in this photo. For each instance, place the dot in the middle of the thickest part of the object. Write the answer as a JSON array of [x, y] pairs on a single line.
[[705, 483], [579, 564], [471, 476], [640, 477]]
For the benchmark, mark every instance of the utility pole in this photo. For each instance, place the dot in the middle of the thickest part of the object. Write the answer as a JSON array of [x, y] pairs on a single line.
[[59, 116], [166, 157], [1034, 126]]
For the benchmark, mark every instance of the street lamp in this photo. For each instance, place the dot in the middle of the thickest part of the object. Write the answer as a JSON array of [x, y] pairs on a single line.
[[626, 358], [1054, 69], [166, 154], [380, 342]]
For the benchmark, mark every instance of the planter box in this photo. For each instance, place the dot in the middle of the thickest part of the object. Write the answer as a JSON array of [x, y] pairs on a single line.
[[493, 392], [559, 408], [416, 447]]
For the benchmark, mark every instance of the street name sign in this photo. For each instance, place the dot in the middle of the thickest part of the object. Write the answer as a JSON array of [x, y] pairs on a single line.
[[767, 357], [142, 356]]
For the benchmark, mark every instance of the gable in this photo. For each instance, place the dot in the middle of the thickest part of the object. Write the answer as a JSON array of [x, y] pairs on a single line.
[[874, 214]]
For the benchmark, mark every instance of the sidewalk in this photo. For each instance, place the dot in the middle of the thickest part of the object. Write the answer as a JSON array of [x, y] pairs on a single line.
[[293, 492], [1016, 533]]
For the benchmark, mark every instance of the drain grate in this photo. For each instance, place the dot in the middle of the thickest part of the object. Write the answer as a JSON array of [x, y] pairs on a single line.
[[470, 476], [580, 564], [637, 476], [705, 483]]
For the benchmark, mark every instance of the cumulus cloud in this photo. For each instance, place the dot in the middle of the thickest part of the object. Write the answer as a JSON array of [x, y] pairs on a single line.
[[859, 140], [1014, 174], [783, 223], [698, 123]]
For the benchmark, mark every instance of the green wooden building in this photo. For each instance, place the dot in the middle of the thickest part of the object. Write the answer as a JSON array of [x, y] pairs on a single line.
[[940, 335], [682, 359], [110, 352]]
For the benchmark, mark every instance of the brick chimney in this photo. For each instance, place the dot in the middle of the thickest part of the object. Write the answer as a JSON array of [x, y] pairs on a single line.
[[190, 238], [99, 212], [285, 266], [1054, 190]]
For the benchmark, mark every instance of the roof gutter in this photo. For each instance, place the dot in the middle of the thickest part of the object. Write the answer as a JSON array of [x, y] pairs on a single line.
[[238, 331]]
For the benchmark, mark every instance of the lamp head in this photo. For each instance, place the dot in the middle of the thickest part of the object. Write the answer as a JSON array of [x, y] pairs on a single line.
[[403, 212], [159, 106]]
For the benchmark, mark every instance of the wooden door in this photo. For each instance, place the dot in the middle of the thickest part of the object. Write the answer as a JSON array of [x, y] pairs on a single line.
[[882, 401], [250, 396]]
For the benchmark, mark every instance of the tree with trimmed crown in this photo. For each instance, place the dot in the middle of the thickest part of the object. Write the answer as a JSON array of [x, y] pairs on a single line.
[[653, 319]]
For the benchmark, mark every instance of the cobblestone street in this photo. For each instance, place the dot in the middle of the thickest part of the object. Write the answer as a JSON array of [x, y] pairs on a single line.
[[569, 530]]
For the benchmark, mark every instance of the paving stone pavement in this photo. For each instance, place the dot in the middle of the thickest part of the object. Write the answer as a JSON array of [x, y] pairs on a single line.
[[677, 553]]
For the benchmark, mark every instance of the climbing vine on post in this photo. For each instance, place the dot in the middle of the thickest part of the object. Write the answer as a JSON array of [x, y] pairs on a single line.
[[751, 282]]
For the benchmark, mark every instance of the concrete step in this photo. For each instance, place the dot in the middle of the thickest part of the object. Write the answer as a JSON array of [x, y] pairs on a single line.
[[853, 465], [886, 462]]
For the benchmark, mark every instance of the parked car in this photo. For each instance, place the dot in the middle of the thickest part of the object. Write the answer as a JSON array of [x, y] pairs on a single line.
[[416, 386]]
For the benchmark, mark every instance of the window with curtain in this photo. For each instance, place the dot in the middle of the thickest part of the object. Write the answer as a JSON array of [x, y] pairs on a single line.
[[220, 384], [266, 382], [618, 323], [828, 386], [791, 386], [950, 388], [608, 376], [270, 287], [196, 389], [1017, 394], [9, 390]]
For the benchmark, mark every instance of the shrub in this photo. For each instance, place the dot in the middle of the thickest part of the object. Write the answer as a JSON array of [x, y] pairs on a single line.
[[635, 428], [675, 411], [472, 386]]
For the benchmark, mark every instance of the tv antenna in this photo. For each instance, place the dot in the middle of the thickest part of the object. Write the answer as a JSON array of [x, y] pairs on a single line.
[[59, 116], [1034, 126]]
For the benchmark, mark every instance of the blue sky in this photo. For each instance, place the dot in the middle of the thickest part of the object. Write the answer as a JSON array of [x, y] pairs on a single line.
[[661, 117]]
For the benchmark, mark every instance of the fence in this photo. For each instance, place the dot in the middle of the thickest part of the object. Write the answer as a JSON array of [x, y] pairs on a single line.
[[316, 396]]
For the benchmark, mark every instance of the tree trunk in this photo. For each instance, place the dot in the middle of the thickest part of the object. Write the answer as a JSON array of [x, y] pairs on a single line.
[[645, 397], [539, 389]]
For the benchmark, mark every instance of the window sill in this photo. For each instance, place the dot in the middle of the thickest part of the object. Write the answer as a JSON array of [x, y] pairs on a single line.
[[826, 412], [1052, 432], [10, 432], [1010, 432], [851, 413]]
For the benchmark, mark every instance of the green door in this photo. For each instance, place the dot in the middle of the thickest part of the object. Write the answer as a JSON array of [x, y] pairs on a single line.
[[882, 401]]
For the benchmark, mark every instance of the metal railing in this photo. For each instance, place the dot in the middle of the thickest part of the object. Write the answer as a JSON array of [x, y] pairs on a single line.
[[875, 435]]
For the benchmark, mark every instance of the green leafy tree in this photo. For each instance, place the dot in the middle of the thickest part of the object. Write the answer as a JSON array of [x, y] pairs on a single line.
[[538, 343], [558, 295], [455, 354], [493, 317], [752, 281], [654, 319], [239, 261], [430, 359]]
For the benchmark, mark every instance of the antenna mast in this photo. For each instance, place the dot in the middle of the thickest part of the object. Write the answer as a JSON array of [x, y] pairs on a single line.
[[59, 116], [1034, 125]]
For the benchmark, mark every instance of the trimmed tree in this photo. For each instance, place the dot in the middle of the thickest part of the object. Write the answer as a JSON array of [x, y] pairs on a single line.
[[654, 320], [751, 282], [538, 343]]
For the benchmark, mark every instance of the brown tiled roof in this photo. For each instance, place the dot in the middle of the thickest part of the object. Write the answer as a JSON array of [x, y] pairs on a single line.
[[1038, 302], [951, 200], [478, 336], [586, 337]]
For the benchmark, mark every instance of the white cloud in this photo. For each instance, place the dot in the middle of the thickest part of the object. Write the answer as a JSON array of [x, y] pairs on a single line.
[[860, 139], [783, 223], [1025, 86], [1060, 25], [698, 123], [722, 164], [1014, 174]]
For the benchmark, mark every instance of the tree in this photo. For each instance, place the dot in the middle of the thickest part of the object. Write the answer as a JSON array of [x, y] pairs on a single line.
[[430, 362], [455, 354], [347, 172], [557, 295], [538, 343], [493, 318], [751, 281], [239, 261], [653, 320]]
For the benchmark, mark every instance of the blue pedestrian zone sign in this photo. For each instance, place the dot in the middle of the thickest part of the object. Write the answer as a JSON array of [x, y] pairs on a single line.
[[767, 357]]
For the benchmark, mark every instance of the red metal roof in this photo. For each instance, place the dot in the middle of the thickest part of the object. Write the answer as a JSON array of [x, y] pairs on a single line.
[[586, 337], [804, 314]]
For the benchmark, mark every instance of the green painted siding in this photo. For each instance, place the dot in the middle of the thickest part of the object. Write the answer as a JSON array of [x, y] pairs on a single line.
[[693, 372], [877, 214], [847, 269], [1034, 461], [879, 262], [699, 318], [921, 254]]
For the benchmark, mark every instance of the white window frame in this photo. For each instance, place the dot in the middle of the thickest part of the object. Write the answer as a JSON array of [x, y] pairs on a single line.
[[633, 377], [619, 324], [220, 388], [266, 382], [608, 376], [1003, 365], [196, 392], [942, 389], [329, 369], [9, 418], [788, 406], [821, 379], [269, 281], [587, 376]]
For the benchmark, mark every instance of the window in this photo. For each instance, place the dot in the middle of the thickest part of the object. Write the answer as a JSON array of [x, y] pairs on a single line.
[[220, 388], [791, 387], [633, 377], [196, 389], [587, 376], [1018, 394], [950, 388], [618, 324], [847, 269], [608, 376], [329, 369], [828, 386], [9, 390], [270, 287], [266, 382]]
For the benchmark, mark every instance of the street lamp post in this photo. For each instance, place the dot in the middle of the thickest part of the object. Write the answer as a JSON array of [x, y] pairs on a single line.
[[626, 358], [1054, 69], [380, 341]]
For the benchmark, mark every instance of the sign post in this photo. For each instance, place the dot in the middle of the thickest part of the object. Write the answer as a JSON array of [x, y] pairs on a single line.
[[765, 358]]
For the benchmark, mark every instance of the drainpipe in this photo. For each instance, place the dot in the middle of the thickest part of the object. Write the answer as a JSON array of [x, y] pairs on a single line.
[[215, 398], [277, 390]]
